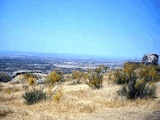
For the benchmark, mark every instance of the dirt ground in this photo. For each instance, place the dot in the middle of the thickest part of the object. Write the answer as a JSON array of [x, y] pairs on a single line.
[[78, 102]]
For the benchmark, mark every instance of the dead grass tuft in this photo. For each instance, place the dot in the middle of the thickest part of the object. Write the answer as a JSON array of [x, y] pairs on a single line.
[[6, 98], [10, 90], [87, 108]]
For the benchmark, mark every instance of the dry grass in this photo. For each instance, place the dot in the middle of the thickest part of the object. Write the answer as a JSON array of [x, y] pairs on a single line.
[[78, 102], [4, 111]]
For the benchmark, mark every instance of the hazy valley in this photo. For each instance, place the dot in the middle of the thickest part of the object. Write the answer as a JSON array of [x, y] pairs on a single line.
[[11, 62]]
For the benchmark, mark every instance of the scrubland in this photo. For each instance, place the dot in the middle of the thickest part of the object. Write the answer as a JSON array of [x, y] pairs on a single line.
[[78, 102]]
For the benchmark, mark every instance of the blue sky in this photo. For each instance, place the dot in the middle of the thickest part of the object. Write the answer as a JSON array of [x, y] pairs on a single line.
[[92, 27]]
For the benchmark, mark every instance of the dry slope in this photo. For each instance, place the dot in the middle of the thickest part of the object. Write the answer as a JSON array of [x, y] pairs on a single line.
[[78, 102]]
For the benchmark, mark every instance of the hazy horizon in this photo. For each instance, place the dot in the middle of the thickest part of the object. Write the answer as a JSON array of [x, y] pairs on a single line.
[[115, 28], [66, 55]]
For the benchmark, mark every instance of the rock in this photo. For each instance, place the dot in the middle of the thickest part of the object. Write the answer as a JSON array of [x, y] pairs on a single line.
[[39, 75], [150, 59], [16, 73], [18, 79], [15, 82], [21, 79]]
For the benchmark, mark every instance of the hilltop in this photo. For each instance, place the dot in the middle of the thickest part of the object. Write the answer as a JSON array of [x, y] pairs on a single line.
[[77, 102], [74, 97]]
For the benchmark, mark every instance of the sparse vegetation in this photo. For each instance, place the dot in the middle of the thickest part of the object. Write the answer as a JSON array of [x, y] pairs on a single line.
[[95, 78], [31, 80], [138, 89], [77, 75], [57, 96], [10, 90], [101, 69], [138, 81], [149, 74], [122, 76], [76, 100], [34, 96], [54, 77]]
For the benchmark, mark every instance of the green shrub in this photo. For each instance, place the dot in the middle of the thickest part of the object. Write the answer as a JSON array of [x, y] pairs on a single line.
[[149, 73], [95, 77], [146, 72], [138, 80], [119, 77], [77, 75], [34, 96], [4, 77], [122, 76], [101, 69], [138, 89], [95, 80]]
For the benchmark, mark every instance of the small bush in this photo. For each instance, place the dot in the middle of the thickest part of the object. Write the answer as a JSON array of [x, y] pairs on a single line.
[[146, 72], [4, 77], [149, 73], [31, 80], [95, 80], [53, 77], [119, 77], [34, 96], [122, 76], [101, 69], [58, 96], [138, 89], [55, 93], [138, 80], [79, 77]]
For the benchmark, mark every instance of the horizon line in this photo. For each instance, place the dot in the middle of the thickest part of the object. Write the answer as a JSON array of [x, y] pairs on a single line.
[[74, 54]]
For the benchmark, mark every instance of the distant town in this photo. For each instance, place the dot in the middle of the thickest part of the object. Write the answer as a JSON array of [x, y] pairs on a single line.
[[11, 62]]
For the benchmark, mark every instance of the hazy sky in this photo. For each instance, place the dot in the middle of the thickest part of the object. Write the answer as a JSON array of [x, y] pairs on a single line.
[[95, 27]]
